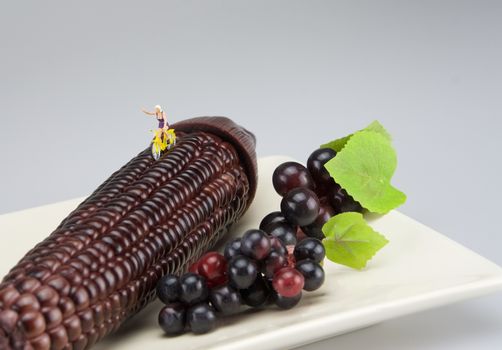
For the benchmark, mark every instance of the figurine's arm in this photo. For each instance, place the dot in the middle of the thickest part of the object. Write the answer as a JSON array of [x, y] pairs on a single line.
[[146, 112]]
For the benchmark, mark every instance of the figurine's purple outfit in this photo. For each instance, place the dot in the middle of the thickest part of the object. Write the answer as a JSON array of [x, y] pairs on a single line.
[[162, 123]]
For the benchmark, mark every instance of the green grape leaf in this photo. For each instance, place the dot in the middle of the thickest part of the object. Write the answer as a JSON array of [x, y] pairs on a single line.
[[378, 128], [364, 169], [350, 241], [338, 144]]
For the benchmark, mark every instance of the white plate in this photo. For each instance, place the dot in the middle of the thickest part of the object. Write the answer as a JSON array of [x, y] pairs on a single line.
[[419, 269]]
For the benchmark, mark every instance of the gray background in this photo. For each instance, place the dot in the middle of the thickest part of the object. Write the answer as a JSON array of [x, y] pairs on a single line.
[[74, 75]]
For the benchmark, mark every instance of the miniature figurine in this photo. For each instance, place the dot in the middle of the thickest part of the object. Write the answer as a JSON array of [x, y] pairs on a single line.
[[160, 115], [164, 137]]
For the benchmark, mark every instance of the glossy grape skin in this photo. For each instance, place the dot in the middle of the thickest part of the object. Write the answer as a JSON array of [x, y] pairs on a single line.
[[225, 300], [309, 248], [194, 267], [193, 288], [274, 262], [341, 201], [257, 294], [201, 318], [290, 175], [313, 274], [172, 318], [315, 165], [232, 248], [213, 267], [315, 229], [285, 232], [241, 272], [272, 218], [287, 303], [276, 245], [168, 289], [300, 206], [351, 205], [288, 282], [255, 244]]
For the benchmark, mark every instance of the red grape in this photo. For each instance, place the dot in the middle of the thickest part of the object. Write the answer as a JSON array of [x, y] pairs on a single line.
[[194, 268], [288, 282], [213, 267]]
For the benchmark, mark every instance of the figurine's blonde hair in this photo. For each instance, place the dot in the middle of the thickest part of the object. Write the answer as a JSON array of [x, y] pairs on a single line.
[[157, 107]]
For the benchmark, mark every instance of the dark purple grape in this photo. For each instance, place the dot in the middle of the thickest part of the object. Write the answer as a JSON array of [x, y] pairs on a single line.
[[232, 248], [315, 229], [312, 272], [225, 299], [274, 262], [172, 319], [255, 244], [242, 271], [300, 206], [351, 205], [287, 302], [285, 232], [272, 218], [257, 294], [309, 248], [201, 318], [341, 201], [169, 289], [193, 288], [315, 165], [276, 245], [291, 175], [336, 196]]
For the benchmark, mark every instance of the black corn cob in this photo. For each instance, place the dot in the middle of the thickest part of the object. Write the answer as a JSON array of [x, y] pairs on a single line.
[[150, 218]]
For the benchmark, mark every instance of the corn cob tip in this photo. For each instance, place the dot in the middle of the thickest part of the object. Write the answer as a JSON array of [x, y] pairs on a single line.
[[243, 140]]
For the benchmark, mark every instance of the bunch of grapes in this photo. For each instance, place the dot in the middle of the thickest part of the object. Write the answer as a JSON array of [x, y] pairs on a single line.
[[310, 198], [255, 271], [269, 265]]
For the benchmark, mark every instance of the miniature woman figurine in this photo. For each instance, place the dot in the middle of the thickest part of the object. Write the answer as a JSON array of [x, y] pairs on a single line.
[[164, 137], [160, 115]]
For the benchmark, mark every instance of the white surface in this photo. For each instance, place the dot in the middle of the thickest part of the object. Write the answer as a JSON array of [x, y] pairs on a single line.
[[418, 270]]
